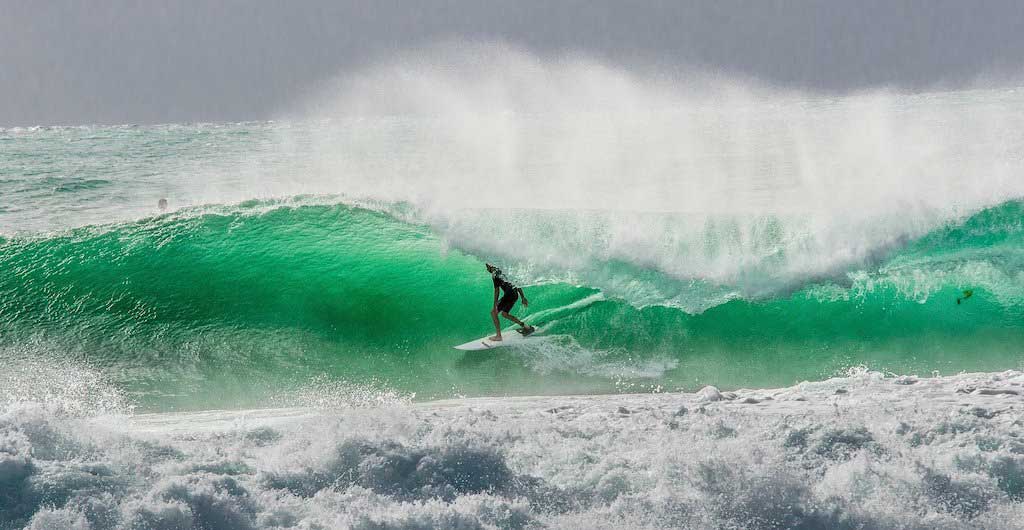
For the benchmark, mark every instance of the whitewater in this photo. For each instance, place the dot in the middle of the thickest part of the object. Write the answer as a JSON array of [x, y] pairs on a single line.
[[762, 309]]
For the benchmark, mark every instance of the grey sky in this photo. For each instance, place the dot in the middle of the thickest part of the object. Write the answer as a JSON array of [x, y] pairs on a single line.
[[121, 61]]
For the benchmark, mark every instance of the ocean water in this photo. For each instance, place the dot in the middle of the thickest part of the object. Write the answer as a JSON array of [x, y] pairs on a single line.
[[759, 309]]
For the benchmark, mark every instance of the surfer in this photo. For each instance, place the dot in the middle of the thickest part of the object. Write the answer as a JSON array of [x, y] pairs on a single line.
[[511, 294]]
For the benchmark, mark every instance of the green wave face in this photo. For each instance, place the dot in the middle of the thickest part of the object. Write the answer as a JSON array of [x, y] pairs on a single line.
[[237, 306]]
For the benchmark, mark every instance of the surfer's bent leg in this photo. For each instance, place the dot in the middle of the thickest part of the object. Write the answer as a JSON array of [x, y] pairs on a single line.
[[524, 328], [512, 318]]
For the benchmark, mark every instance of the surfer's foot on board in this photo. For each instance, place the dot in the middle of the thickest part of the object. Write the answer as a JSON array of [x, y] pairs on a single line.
[[496, 338], [524, 331]]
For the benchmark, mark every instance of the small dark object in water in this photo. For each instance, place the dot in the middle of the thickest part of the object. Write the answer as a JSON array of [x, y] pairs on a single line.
[[967, 294]]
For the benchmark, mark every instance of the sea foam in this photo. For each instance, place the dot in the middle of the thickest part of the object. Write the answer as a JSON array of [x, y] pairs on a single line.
[[861, 451]]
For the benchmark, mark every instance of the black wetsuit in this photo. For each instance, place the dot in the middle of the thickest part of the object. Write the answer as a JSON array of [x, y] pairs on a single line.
[[510, 293]]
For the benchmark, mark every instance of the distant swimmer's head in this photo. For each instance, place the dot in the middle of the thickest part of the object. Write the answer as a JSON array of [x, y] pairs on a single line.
[[162, 204]]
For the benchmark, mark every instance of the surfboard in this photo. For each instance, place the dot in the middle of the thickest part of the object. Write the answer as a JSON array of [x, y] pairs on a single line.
[[510, 337]]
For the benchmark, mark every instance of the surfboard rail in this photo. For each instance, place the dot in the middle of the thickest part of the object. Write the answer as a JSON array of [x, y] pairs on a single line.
[[510, 337]]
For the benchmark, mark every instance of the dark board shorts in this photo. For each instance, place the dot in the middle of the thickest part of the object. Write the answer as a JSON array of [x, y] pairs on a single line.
[[507, 301]]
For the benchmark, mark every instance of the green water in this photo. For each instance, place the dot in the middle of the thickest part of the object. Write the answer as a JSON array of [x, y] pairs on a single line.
[[243, 303], [307, 258]]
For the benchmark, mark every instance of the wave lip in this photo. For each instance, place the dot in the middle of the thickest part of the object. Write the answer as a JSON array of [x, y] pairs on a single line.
[[903, 452]]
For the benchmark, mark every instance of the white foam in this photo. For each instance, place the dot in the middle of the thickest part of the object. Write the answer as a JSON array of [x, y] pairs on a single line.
[[64, 386], [860, 451]]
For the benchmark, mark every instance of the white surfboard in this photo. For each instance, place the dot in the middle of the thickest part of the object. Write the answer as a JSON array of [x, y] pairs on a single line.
[[510, 337]]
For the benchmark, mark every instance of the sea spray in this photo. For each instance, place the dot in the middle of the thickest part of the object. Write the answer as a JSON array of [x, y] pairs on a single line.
[[699, 178]]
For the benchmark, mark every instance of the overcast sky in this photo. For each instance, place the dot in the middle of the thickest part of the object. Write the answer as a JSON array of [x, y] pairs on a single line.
[[138, 61]]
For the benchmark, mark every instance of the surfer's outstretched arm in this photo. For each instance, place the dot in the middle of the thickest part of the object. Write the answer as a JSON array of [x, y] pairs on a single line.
[[526, 303]]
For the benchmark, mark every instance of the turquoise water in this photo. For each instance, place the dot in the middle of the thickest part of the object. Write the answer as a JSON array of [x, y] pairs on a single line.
[[352, 252], [217, 306]]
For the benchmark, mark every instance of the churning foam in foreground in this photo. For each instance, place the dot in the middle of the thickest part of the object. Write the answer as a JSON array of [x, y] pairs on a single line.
[[863, 451]]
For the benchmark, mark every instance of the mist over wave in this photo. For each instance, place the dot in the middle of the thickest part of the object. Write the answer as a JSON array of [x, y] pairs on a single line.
[[754, 190], [766, 188]]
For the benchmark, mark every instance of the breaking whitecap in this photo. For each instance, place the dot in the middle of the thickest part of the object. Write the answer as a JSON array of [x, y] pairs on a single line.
[[863, 451]]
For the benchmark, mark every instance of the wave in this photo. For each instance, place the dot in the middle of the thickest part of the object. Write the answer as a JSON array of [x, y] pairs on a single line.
[[216, 304]]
